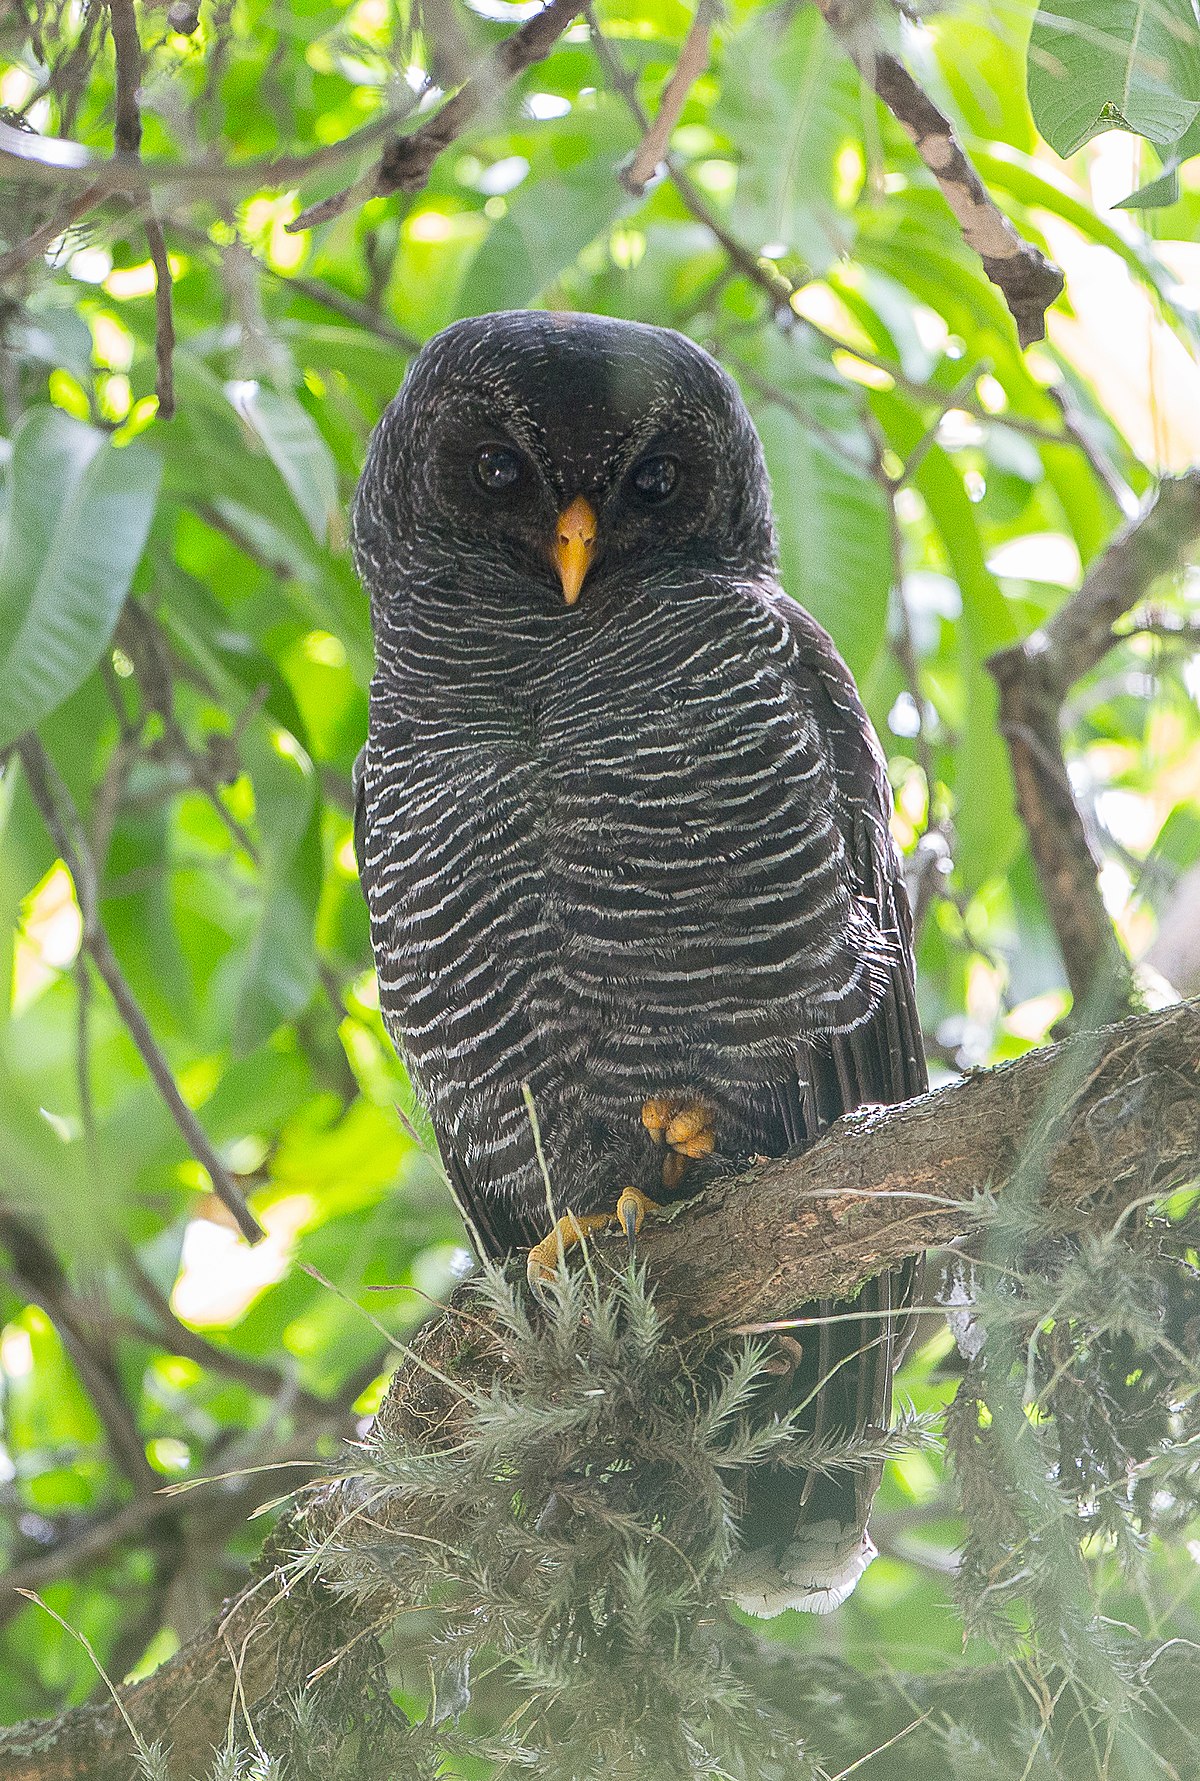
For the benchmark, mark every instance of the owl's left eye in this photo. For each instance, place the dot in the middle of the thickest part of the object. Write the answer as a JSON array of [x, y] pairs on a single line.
[[654, 478], [497, 467]]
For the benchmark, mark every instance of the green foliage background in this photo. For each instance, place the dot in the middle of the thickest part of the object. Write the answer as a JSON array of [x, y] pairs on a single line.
[[183, 627]]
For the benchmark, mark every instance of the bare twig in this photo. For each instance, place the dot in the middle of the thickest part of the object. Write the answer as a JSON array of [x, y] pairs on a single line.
[[1113, 1118], [164, 320], [693, 60], [127, 136], [67, 834], [777, 288], [41, 1277], [405, 163], [42, 239], [55, 161], [1168, 627], [1027, 280], [1034, 678]]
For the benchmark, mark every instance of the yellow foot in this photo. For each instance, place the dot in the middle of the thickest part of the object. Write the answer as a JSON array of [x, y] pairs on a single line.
[[632, 1208], [686, 1127], [545, 1256]]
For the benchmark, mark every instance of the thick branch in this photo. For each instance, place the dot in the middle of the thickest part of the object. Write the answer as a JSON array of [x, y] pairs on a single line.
[[1026, 279], [1034, 678], [1095, 1125], [405, 163]]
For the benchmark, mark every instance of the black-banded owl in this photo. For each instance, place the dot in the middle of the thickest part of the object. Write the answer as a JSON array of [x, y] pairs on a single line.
[[622, 824]]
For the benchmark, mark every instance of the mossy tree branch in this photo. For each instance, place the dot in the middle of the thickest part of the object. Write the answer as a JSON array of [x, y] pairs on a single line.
[[1093, 1126]]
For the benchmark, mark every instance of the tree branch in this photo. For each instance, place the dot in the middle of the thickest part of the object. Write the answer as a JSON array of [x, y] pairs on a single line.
[[127, 135], [405, 163], [1027, 280], [72, 848], [1095, 1125], [1034, 678], [693, 60]]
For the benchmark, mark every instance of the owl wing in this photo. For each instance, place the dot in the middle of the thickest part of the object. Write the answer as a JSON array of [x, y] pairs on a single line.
[[805, 1535], [471, 1146]]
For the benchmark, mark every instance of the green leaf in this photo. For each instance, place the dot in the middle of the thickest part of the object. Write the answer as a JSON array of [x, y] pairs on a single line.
[[834, 539], [281, 969], [792, 100], [568, 198], [1157, 193], [985, 817], [293, 442], [1114, 64], [78, 515]]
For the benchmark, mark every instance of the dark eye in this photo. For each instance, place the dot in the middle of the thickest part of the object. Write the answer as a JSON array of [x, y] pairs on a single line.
[[496, 468], [655, 478]]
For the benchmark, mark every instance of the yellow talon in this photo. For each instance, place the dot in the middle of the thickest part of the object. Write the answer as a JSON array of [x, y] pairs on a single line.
[[632, 1208], [688, 1129], [656, 1117], [543, 1260], [691, 1131]]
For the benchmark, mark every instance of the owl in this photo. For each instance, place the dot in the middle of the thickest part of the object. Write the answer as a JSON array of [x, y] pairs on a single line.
[[622, 826]]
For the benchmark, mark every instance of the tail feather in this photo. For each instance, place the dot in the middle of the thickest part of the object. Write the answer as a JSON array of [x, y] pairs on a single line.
[[815, 1572]]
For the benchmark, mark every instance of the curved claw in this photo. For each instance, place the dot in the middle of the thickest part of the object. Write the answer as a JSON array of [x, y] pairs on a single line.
[[632, 1208], [542, 1263]]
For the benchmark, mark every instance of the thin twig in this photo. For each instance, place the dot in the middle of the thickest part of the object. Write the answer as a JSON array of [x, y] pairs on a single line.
[[1027, 280], [406, 162], [42, 1280], [42, 239], [1034, 678], [58, 813], [164, 320], [55, 161], [127, 137], [693, 60]]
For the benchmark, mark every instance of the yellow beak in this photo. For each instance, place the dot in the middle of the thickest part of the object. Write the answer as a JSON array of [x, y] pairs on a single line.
[[574, 543]]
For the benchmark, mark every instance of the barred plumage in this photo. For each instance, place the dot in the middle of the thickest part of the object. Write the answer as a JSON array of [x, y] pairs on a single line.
[[631, 847]]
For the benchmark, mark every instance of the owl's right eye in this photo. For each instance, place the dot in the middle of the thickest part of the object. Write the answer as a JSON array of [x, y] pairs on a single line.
[[497, 467]]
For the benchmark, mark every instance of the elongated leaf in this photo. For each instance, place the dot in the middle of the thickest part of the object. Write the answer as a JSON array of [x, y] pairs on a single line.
[[834, 542], [294, 445], [80, 510], [792, 99], [569, 198], [1114, 64], [985, 819], [1165, 189], [281, 970]]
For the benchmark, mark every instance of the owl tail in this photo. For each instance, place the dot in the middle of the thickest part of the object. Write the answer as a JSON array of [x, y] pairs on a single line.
[[804, 1533], [817, 1565]]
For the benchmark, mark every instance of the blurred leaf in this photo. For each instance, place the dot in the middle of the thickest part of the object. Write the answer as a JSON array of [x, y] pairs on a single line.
[[280, 972], [570, 195], [1102, 64], [78, 513], [294, 444], [1164, 190], [831, 512], [791, 98]]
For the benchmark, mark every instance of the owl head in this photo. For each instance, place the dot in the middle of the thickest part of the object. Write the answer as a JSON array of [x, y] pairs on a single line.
[[546, 458]]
